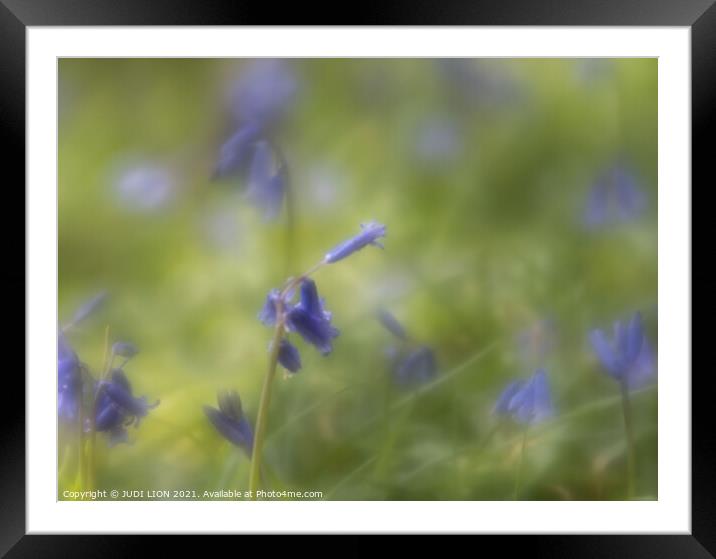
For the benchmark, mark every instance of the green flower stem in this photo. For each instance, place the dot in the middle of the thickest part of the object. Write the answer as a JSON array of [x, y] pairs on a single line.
[[520, 465], [92, 450], [255, 470], [82, 463], [265, 401], [291, 248], [631, 448]]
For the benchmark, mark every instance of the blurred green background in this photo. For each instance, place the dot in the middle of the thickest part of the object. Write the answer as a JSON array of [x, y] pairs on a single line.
[[480, 169]]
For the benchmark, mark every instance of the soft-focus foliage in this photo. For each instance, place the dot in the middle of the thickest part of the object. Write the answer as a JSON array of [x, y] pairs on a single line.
[[520, 203]]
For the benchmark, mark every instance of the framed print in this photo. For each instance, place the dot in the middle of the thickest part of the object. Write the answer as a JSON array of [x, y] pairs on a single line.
[[429, 278]]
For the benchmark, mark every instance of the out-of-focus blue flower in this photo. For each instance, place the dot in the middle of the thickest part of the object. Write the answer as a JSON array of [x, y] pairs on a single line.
[[627, 357], [69, 380], [311, 320], [410, 364], [631, 199], [235, 154], [230, 422], [288, 356], [259, 99], [438, 141], [264, 91], [502, 406], [615, 197], [369, 235], [117, 408], [392, 325], [145, 186], [415, 367], [250, 157], [267, 181], [527, 402]]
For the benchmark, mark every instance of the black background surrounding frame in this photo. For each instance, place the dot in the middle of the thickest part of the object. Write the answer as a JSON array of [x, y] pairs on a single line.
[[16, 15]]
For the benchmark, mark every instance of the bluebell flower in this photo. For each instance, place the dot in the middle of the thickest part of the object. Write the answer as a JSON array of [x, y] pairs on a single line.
[[267, 314], [369, 235], [288, 356], [267, 181], [627, 357], [416, 366], [235, 155], [252, 158], [117, 408], [260, 97], [392, 325], [502, 406], [264, 91], [410, 364], [527, 402], [69, 380], [311, 320], [630, 198], [615, 197], [596, 212], [230, 421]]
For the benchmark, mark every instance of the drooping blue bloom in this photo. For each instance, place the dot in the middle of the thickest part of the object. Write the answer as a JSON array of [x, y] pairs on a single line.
[[369, 235], [235, 155], [288, 356], [117, 408], [230, 422], [416, 366], [264, 91], [267, 181], [627, 357], [615, 197], [69, 380], [392, 325], [250, 157], [596, 212], [630, 198], [259, 99], [527, 402], [502, 406], [311, 320], [267, 314], [410, 364]]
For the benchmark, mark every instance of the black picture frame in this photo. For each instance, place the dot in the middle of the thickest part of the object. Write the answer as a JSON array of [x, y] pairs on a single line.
[[17, 15]]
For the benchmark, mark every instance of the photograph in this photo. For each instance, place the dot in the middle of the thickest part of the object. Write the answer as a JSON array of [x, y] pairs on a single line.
[[357, 279]]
